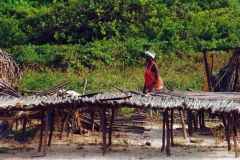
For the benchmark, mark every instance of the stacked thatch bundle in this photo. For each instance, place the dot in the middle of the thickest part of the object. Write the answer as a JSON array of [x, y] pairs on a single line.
[[228, 79], [9, 73]]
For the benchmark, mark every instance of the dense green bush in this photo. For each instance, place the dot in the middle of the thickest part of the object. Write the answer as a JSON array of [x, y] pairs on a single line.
[[178, 24], [104, 41]]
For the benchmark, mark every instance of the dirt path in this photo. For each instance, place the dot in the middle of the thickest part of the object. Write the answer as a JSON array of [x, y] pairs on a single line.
[[126, 146]]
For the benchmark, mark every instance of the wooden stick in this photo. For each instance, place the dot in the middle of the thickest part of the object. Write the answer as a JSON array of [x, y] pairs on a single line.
[[163, 131], [227, 130], [104, 129], [84, 88], [46, 134], [195, 122], [52, 127], [41, 132], [168, 134], [25, 119], [79, 122], [235, 132], [110, 127], [189, 119], [203, 120], [171, 127], [183, 124], [65, 123], [92, 120]]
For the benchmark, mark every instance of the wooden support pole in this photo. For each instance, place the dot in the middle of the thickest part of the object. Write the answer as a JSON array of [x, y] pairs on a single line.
[[224, 120], [41, 132], [110, 127], [227, 130], [104, 129], [157, 113], [195, 122], [171, 128], [92, 120], [235, 133], [25, 119], [46, 134], [74, 117], [168, 134], [183, 124], [151, 114], [79, 122], [138, 111], [65, 123], [189, 120], [17, 123], [200, 119], [51, 127], [202, 123], [163, 131]]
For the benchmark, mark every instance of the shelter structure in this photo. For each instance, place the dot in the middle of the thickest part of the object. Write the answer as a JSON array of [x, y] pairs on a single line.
[[226, 103]]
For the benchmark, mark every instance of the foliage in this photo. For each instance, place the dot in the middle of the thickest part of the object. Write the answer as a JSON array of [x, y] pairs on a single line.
[[104, 41], [103, 63], [126, 112], [4, 150], [18, 133], [174, 25]]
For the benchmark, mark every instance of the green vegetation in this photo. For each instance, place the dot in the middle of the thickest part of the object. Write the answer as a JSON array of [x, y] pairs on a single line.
[[28, 133], [104, 41], [4, 150], [189, 146], [126, 112]]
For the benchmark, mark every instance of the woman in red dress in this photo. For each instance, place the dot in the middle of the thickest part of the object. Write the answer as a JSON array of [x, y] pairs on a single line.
[[153, 81]]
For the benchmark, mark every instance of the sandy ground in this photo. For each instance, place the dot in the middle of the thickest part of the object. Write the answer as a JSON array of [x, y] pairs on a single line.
[[126, 146]]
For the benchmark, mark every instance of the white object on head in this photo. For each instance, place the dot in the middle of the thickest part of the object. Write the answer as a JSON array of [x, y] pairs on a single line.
[[150, 54]]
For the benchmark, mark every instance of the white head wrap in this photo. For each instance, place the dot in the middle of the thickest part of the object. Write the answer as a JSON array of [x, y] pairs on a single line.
[[150, 53]]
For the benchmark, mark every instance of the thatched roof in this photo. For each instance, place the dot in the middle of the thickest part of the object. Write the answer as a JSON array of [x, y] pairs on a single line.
[[215, 102]]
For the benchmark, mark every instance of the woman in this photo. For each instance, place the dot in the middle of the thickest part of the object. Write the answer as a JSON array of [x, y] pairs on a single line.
[[152, 79]]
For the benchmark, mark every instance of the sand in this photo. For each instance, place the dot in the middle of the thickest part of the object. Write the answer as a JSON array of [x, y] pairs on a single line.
[[126, 146]]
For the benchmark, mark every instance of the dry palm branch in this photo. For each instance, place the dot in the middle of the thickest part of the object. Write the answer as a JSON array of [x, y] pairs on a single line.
[[50, 91], [9, 74], [7, 89], [228, 79], [9, 69]]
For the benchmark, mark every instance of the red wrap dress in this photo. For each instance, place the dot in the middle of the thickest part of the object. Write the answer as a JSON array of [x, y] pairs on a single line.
[[150, 78]]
